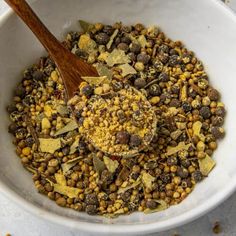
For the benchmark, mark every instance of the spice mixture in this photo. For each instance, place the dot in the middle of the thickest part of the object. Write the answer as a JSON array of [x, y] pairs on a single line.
[[50, 141]]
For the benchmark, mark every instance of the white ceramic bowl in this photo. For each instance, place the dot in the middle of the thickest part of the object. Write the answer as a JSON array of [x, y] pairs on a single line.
[[205, 26]]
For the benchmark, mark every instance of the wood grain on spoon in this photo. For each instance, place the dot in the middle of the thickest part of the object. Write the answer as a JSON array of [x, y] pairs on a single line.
[[70, 67]]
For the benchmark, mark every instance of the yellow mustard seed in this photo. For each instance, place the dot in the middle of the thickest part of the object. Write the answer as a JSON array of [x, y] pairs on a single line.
[[26, 151]]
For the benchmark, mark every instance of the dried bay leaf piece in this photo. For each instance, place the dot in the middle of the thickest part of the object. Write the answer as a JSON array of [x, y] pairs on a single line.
[[124, 173], [60, 178], [142, 41], [67, 191], [197, 129], [98, 164], [74, 145], [206, 165], [87, 44], [183, 93], [86, 26], [70, 164], [103, 71], [135, 184], [49, 145], [127, 70], [162, 205], [96, 80], [147, 180], [72, 125], [112, 38], [39, 117], [175, 134], [117, 56], [181, 146], [110, 164], [62, 109]]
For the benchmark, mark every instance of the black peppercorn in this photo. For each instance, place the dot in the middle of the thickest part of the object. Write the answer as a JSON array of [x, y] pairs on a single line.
[[87, 90], [154, 90], [102, 38], [197, 176], [205, 112], [140, 83], [123, 46], [122, 137], [135, 48], [186, 107], [135, 141], [143, 57]]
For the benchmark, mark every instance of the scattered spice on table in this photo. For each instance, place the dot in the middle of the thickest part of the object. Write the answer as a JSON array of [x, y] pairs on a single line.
[[50, 140], [217, 228]]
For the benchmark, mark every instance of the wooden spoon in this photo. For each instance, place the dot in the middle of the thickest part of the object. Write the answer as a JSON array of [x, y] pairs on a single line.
[[71, 68]]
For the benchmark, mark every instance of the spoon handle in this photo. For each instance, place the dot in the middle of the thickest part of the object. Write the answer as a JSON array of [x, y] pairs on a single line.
[[47, 39], [71, 68]]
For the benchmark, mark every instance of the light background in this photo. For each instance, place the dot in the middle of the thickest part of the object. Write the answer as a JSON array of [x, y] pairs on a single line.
[[17, 222]]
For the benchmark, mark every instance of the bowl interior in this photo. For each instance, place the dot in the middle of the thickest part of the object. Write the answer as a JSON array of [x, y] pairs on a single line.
[[200, 25]]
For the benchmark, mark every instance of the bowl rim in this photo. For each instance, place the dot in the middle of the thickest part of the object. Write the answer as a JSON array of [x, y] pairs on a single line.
[[140, 228]]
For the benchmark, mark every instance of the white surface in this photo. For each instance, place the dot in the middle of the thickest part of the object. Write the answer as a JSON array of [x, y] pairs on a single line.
[[41, 228]]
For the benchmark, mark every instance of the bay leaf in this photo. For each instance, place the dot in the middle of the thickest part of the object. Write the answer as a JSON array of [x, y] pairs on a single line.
[[181, 146], [206, 165], [49, 145], [67, 191], [98, 164], [86, 26], [72, 125], [117, 56], [197, 129], [175, 134], [127, 69], [110, 164], [162, 205], [62, 109], [39, 117], [183, 93], [112, 38], [60, 178], [74, 145], [103, 71], [135, 184], [96, 80], [147, 180], [142, 41], [70, 164]]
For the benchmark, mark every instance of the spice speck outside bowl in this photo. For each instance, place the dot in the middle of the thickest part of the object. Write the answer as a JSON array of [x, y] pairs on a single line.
[[206, 27]]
